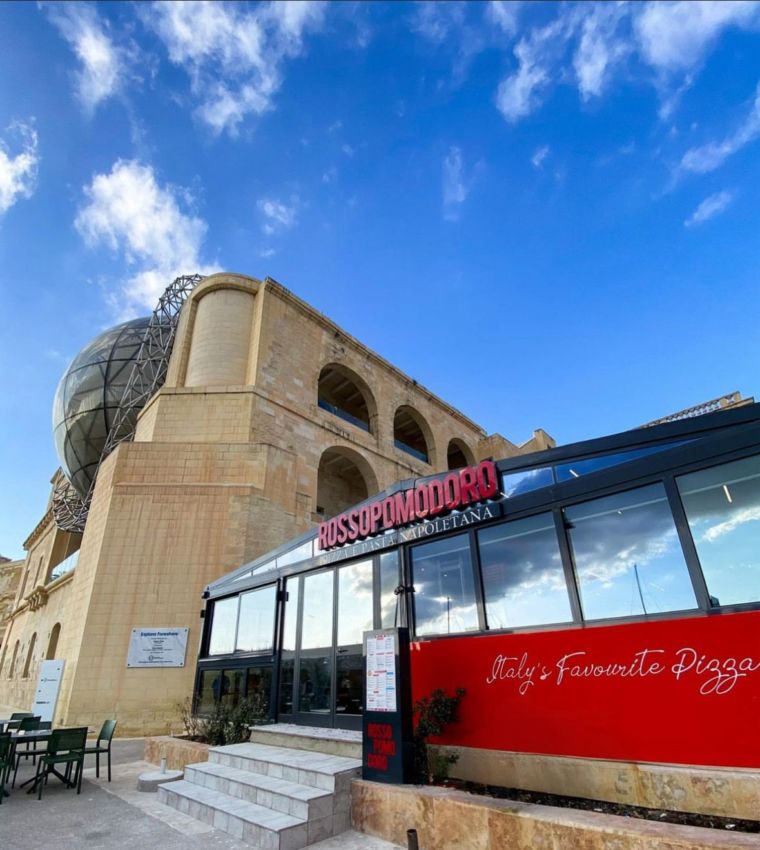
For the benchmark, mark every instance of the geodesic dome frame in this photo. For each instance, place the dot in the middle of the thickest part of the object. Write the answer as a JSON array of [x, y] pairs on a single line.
[[147, 376]]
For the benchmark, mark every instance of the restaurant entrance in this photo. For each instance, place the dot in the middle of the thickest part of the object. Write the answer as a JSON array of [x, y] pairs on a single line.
[[321, 677]]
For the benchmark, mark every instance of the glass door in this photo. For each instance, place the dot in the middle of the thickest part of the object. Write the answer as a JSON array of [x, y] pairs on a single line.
[[321, 681], [355, 615]]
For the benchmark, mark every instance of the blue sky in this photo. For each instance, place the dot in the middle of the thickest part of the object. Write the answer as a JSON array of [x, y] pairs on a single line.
[[547, 213]]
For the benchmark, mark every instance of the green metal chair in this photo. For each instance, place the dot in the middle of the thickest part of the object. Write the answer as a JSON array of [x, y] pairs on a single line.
[[106, 736], [16, 718], [31, 750], [6, 745], [65, 746]]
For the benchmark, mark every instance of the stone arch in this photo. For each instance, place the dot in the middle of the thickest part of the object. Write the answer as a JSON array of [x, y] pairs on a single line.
[[30, 655], [345, 477], [412, 434], [343, 393], [52, 647], [459, 454]]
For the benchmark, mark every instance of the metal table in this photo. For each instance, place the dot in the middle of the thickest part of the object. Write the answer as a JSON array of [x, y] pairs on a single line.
[[34, 735]]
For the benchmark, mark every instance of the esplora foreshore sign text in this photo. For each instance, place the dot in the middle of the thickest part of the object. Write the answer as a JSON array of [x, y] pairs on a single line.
[[426, 499]]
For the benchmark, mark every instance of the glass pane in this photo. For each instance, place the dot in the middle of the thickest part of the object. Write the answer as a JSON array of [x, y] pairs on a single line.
[[256, 625], [315, 687], [223, 626], [390, 579], [517, 483], [205, 703], [317, 626], [350, 679], [355, 614], [259, 681], [522, 574], [220, 684], [723, 508], [291, 615], [287, 665], [628, 559], [232, 687], [576, 468], [444, 599]]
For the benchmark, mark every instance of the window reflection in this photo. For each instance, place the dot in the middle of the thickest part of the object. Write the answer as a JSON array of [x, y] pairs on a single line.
[[723, 508], [517, 483], [317, 625], [355, 614], [628, 559], [523, 579], [223, 626], [390, 578], [576, 468], [256, 626], [444, 600]]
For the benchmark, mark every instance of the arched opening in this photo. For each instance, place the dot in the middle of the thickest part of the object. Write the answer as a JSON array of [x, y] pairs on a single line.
[[29, 655], [13, 660], [2, 659], [53, 642], [345, 395], [458, 454], [344, 479], [408, 434]]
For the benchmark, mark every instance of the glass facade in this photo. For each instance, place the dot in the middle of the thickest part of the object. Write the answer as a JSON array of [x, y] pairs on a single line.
[[444, 598], [523, 580], [676, 539], [628, 559], [723, 508]]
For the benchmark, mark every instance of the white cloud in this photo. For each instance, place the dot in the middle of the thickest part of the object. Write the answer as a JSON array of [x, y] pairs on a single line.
[[737, 519], [330, 175], [590, 44], [709, 208], [504, 15], [539, 155], [130, 212], [103, 63], [276, 215], [436, 21], [601, 48], [522, 92], [677, 36], [18, 173], [712, 155], [455, 189], [347, 150], [234, 54]]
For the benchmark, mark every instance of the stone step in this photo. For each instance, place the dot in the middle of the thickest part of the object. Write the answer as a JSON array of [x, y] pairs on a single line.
[[329, 773], [290, 798], [334, 742], [257, 825]]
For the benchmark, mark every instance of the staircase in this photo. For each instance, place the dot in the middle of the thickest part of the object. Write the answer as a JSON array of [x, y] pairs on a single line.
[[273, 797]]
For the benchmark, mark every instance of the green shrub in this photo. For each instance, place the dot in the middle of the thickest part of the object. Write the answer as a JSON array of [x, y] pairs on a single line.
[[434, 713], [226, 724]]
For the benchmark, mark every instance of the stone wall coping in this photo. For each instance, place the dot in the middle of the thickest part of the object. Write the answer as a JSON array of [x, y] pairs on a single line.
[[618, 831]]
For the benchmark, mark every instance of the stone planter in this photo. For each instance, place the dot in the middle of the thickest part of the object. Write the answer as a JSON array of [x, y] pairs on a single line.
[[446, 819], [177, 751]]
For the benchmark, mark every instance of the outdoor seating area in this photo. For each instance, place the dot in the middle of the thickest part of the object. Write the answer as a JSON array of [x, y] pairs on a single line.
[[56, 752]]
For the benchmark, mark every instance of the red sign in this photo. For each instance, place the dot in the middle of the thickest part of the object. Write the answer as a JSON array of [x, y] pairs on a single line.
[[683, 691], [426, 499]]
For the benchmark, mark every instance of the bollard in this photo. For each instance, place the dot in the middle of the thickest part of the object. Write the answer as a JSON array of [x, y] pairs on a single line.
[[411, 840], [163, 765]]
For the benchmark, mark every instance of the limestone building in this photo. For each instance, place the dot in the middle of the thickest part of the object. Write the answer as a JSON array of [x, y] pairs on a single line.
[[270, 418]]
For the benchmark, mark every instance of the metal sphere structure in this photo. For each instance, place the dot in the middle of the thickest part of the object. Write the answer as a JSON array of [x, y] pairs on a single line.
[[98, 399], [88, 397]]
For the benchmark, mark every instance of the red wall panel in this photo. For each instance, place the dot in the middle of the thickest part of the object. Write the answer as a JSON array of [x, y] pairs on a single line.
[[683, 691]]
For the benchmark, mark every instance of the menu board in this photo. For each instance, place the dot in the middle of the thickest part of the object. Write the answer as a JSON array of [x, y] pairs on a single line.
[[387, 746], [381, 672]]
